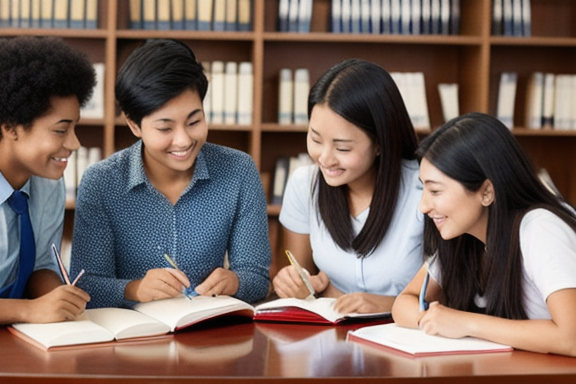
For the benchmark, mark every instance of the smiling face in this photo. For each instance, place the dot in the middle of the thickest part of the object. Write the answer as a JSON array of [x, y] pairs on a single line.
[[44, 148], [173, 135], [344, 152], [454, 209]]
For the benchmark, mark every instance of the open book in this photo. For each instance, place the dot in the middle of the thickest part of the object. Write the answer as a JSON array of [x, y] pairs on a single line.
[[152, 319], [319, 311], [415, 342]]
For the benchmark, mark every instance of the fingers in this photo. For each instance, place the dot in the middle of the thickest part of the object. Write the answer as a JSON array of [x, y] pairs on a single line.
[[287, 283], [220, 282], [161, 283]]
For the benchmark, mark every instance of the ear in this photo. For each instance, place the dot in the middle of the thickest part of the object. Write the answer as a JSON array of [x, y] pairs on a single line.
[[9, 131], [487, 191], [136, 130]]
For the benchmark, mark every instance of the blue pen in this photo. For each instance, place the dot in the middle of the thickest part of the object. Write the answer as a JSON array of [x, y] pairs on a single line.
[[188, 292], [422, 298]]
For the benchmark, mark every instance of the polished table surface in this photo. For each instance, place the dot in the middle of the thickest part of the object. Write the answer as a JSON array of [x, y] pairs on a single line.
[[232, 350]]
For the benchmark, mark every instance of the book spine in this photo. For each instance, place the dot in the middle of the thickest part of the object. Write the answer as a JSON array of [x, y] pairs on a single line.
[[245, 93], [506, 98], [207, 104], [136, 14], [77, 14], [149, 14], [285, 97], [177, 14], [301, 90], [190, 15], [217, 69], [230, 92], [163, 15], [244, 15], [204, 15], [61, 14], [219, 15]]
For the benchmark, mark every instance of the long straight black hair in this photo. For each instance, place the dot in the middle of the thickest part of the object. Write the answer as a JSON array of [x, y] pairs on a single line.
[[471, 149], [364, 94]]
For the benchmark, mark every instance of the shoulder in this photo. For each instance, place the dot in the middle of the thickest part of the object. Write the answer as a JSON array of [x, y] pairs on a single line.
[[304, 174], [541, 225]]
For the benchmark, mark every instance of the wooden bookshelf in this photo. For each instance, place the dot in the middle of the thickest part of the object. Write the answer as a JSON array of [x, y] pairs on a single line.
[[474, 59]]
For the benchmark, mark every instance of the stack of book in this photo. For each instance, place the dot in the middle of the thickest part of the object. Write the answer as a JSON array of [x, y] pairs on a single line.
[[81, 14], [294, 15], [202, 15], [414, 17]]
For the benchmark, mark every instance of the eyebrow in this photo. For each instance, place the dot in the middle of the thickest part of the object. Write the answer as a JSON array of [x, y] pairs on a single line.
[[335, 140], [194, 112]]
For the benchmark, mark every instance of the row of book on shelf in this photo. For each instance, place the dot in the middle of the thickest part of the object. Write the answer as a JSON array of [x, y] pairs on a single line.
[[550, 100], [77, 14], [407, 17], [202, 15], [511, 18], [78, 162]]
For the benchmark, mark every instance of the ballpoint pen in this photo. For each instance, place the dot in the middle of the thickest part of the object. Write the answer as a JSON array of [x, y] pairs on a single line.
[[63, 269], [422, 298], [303, 275], [189, 292]]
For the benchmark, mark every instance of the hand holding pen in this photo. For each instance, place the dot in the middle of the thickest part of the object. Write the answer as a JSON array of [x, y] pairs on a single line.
[[189, 292], [63, 271], [302, 273]]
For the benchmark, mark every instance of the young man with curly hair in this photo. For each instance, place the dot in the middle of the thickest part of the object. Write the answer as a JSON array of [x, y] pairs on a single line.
[[43, 84]]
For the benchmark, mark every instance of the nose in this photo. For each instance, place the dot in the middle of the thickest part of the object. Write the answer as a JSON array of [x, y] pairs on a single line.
[[72, 143], [424, 205], [326, 157], [181, 138]]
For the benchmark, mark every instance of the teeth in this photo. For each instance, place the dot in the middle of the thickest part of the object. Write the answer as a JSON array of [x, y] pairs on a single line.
[[62, 159], [179, 153]]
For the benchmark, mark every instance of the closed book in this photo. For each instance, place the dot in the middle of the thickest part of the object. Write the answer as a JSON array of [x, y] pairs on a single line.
[[285, 97], [445, 17], [417, 90], [301, 90], [136, 16], [219, 15], [190, 18], [91, 21], [163, 22], [435, 15], [548, 101], [283, 14], [376, 17], [177, 14], [562, 104], [244, 15], [77, 14], [293, 15], [35, 14], [5, 13], [46, 13], [426, 17], [15, 13], [336, 16], [245, 93], [365, 19], [281, 171], [506, 98], [304, 15], [416, 15], [25, 13], [395, 15], [94, 107], [416, 343], [217, 92], [517, 18], [230, 92], [405, 17], [346, 16], [70, 179], [386, 15], [507, 18], [449, 100], [497, 18], [534, 101], [61, 16], [454, 17], [204, 14], [207, 104], [231, 23], [149, 14], [526, 18], [316, 311]]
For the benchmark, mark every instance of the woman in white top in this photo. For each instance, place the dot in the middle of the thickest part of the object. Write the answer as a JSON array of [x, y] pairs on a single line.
[[351, 219], [504, 265]]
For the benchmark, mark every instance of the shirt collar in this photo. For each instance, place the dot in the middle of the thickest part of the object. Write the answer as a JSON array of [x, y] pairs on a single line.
[[137, 174], [6, 189]]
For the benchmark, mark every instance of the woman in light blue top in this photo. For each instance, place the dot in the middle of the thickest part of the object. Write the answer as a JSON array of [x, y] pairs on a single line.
[[352, 219], [170, 193]]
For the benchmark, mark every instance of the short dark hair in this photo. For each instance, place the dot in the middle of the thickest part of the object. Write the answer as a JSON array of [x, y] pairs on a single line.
[[34, 69], [365, 94], [156, 72]]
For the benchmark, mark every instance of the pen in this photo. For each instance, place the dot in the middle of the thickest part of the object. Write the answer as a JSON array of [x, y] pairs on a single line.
[[189, 292], [422, 298], [301, 272], [63, 269]]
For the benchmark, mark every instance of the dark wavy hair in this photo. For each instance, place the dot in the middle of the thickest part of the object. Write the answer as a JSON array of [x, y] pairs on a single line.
[[471, 149], [364, 94], [156, 72], [34, 69]]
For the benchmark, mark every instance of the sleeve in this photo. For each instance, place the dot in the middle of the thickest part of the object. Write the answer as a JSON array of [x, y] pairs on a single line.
[[93, 244], [51, 227], [295, 211], [249, 249], [548, 247]]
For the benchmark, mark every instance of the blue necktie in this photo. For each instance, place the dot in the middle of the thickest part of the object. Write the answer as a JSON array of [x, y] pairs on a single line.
[[19, 203]]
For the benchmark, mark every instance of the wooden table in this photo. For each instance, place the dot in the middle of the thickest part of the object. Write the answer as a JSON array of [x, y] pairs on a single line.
[[265, 353]]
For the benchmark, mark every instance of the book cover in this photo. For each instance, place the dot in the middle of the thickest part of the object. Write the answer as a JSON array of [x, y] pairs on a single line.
[[507, 18], [177, 14], [415, 343], [449, 100], [283, 14], [365, 19], [435, 15], [376, 17], [445, 17], [336, 16], [395, 15], [25, 13], [14, 13], [316, 311], [94, 107], [293, 16], [46, 13], [416, 16], [405, 17], [34, 14], [304, 15], [386, 17], [506, 98], [5, 13], [346, 16], [426, 17]]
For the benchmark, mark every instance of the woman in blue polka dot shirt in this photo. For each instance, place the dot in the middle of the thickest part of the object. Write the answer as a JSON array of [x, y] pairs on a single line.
[[169, 193]]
